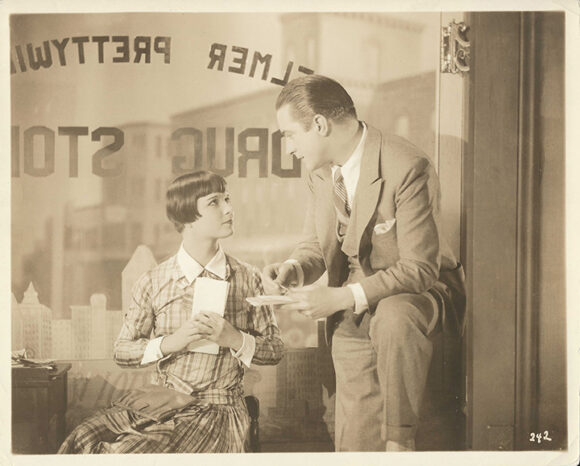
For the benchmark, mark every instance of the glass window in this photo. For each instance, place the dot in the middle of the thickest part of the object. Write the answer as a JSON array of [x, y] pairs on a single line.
[[159, 150], [157, 189], [136, 234], [114, 235], [311, 52]]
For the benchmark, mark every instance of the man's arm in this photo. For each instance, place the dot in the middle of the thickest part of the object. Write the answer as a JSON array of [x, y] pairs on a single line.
[[308, 254], [417, 269]]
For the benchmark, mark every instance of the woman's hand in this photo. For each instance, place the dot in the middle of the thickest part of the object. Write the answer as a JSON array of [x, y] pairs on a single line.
[[188, 333], [214, 327]]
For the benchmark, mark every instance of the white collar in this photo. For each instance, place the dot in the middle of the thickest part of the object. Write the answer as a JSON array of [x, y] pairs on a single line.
[[192, 269], [351, 169], [353, 162]]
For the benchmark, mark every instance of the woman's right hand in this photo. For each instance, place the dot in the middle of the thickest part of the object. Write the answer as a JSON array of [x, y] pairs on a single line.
[[183, 336]]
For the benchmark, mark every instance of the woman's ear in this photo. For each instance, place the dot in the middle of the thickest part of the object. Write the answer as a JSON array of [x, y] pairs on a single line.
[[321, 125]]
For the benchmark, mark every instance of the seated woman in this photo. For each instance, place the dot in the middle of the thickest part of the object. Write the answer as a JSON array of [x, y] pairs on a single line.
[[159, 328]]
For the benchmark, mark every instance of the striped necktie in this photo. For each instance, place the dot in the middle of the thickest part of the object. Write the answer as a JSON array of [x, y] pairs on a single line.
[[340, 196]]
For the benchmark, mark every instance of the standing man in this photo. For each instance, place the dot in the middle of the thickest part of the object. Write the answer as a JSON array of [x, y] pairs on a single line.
[[372, 224]]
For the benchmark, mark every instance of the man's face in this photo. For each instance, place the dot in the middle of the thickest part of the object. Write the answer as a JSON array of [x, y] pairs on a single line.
[[306, 145], [216, 216]]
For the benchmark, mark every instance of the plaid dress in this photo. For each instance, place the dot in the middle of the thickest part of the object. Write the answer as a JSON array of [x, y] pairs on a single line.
[[219, 421]]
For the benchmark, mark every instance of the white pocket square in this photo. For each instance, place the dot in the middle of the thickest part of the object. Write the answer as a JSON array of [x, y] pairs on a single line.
[[382, 228]]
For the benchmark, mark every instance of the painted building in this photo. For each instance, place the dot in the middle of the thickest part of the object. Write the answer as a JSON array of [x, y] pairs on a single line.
[[35, 322]]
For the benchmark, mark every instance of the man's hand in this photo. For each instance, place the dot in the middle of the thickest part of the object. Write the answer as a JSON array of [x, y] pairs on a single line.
[[278, 274], [320, 302], [183, 336], [214, 327]]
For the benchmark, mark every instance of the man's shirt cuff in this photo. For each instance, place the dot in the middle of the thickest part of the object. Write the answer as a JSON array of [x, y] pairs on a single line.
[[299, 272], [152, 351], [246, 353], [360, 298]]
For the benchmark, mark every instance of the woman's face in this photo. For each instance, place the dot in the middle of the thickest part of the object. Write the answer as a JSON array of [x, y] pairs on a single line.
[[216, 218]]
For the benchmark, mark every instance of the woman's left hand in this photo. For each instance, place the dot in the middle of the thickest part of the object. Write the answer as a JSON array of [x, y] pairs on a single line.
[[214, 327]]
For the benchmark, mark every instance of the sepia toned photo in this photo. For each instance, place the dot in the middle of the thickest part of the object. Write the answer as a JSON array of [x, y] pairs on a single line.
[[284, 232]]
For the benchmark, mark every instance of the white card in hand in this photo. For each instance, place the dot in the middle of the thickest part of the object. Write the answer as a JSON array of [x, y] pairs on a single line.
[[209, 295]]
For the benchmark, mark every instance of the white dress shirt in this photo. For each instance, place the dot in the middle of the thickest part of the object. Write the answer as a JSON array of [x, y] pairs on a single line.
[[351, 173], [192, 269], [351, 168]]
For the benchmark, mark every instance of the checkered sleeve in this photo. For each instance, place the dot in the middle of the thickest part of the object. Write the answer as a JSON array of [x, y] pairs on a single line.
[[137, 325], [263, 326]]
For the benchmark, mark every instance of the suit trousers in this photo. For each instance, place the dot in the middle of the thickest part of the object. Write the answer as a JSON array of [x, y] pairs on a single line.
[[381, 363]]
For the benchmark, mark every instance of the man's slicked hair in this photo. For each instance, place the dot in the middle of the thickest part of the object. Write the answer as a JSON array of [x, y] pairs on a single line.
[[315, 94], [185, 190]]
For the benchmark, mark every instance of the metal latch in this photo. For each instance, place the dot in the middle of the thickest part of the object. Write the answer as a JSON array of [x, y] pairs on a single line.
[[455, 52]]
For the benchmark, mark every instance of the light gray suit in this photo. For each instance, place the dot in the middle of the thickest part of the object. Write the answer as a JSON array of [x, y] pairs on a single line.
[[411, 280]]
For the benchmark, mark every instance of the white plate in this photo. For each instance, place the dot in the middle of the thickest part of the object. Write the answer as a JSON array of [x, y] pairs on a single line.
[[270, 300]]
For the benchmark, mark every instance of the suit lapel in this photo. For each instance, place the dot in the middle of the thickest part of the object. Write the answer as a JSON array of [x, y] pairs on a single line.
[[367, 193]]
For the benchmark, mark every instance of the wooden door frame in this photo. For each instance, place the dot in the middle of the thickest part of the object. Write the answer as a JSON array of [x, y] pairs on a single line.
[[499, 228]]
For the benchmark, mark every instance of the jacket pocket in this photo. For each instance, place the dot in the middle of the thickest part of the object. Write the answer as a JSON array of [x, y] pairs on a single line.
[[384, 250], [384, 227]]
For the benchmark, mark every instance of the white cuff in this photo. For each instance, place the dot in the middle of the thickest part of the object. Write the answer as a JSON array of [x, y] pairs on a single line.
[[246, 352], [360, 299], [152, 351], [299, 272]]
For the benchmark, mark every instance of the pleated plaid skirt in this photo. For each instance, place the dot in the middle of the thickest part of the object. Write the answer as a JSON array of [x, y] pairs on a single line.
[[204, 428]]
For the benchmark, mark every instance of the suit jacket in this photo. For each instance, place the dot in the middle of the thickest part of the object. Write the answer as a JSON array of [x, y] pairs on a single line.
[[393, 229]]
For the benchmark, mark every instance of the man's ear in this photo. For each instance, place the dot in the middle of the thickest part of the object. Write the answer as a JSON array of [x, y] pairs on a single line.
[[321, 125]]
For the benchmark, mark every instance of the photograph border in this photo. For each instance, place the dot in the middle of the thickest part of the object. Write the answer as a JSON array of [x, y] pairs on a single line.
[[572, 215]]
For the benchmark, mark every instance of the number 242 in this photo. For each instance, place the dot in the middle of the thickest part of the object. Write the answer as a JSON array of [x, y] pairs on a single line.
[[537, 437]]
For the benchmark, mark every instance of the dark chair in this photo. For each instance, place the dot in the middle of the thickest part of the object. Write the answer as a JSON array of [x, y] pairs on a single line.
[[253, 440]]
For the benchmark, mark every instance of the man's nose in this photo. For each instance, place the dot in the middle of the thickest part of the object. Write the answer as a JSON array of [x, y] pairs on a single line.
[[290, 148]]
